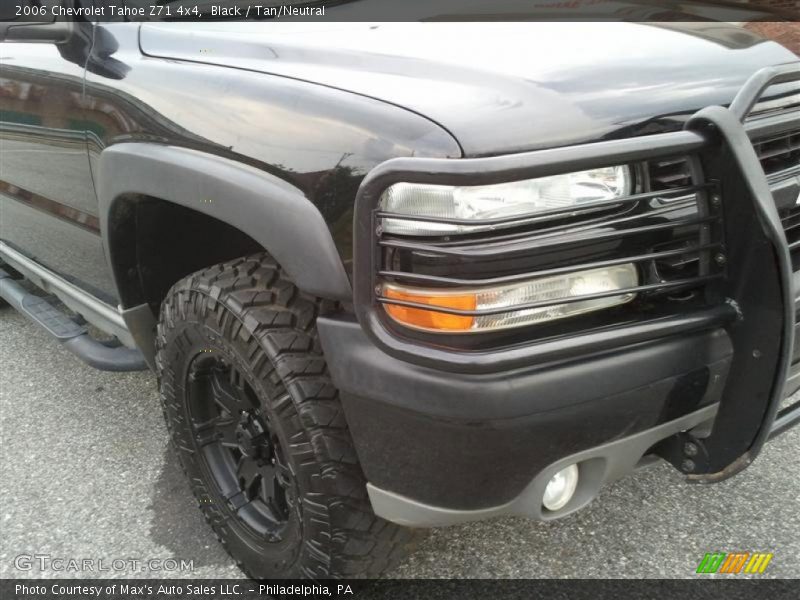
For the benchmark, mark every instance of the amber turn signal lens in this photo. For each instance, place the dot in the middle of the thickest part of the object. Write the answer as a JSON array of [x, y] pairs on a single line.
[[519, 303], [431, 319]]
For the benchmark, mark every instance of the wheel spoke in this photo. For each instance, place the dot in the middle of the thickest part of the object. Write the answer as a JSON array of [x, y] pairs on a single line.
[[267, 482], [238, 500], [202, 426], [235, 379], [282, 473], [219, 429], [248, 472], [230, 398], [282, 498], [267, 489], [226, 432]]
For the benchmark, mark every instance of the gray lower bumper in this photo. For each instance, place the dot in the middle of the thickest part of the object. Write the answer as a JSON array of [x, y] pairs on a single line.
[[597, 467]]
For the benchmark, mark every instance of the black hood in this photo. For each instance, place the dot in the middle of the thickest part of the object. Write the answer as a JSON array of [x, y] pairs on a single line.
[[498, 87]]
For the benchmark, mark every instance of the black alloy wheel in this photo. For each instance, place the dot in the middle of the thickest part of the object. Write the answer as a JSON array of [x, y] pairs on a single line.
[[243, 454]]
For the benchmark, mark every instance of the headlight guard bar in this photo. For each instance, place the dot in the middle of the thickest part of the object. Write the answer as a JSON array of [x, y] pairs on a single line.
[[758, 306]]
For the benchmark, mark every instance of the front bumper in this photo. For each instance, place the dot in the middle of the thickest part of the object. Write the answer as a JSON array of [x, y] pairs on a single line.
[[445, 436], [440, 447]]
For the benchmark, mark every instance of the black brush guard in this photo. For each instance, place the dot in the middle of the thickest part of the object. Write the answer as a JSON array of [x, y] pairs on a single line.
[[749, 280]]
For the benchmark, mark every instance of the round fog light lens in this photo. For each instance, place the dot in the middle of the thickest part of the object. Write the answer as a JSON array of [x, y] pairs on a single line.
[[560, 488]]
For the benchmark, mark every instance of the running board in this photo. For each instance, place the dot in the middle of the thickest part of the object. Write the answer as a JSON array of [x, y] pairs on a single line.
[[73, 336]]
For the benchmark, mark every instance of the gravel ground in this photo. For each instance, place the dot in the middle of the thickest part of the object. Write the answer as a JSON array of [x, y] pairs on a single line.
[[85, 472]]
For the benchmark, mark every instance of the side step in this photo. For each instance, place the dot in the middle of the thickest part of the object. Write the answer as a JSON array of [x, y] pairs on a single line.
[[75, 337]]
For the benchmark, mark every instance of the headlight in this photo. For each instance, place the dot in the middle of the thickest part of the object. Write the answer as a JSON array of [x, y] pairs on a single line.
[[585, 190], [505, 302]]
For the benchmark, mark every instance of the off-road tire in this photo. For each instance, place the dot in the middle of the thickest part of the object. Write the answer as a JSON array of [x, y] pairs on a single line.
[[249, 313]]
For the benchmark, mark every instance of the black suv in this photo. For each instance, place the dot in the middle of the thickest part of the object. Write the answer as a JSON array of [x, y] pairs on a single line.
[[393, 277]]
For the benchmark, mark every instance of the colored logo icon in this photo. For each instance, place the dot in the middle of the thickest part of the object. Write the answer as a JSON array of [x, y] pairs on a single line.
[[734, 562]]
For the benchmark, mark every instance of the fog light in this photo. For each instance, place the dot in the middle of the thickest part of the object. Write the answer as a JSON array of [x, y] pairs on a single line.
[[561, 488]]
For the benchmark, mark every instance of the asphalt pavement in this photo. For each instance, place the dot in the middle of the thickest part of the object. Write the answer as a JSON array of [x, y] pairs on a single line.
[[86, 473]]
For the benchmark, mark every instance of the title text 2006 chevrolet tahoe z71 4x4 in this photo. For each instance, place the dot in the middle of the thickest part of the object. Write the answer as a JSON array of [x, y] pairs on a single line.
[[390, 278]]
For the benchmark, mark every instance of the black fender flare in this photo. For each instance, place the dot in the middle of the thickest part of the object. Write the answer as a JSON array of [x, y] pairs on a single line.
[[270, 210]]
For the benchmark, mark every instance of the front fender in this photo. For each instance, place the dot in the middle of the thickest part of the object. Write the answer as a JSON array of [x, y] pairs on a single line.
[[271, 211]]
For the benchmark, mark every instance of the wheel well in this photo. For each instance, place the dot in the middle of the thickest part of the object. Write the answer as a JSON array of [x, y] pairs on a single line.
[[154, 243]]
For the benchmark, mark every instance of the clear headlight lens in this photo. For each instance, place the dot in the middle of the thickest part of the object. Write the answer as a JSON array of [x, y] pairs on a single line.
[[584, 190], [542, 289]]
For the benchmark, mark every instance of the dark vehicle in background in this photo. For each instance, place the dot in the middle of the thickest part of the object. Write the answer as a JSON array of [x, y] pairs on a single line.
[[390, 278]]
